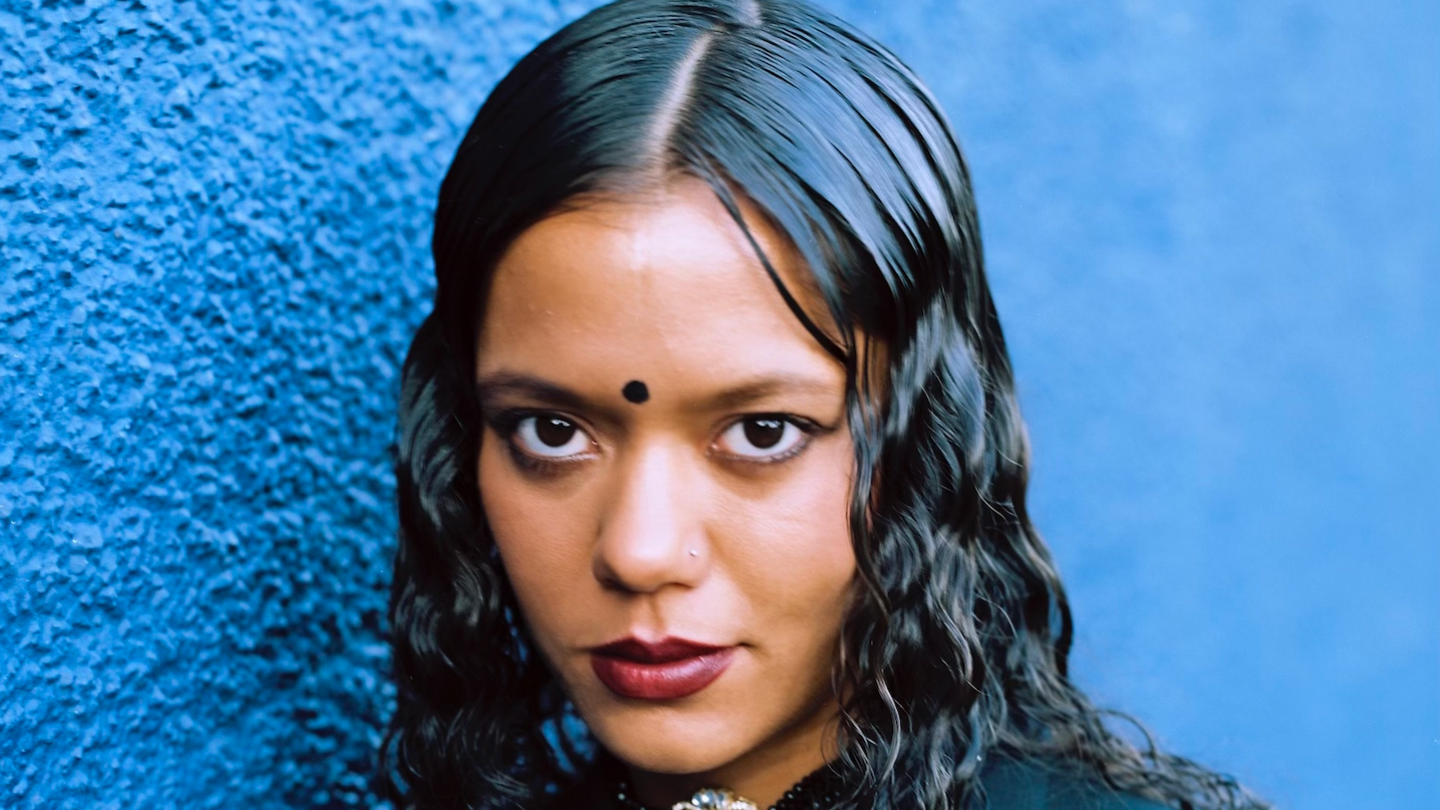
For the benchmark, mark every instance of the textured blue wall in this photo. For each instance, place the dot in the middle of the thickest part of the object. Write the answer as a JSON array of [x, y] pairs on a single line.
[[1212, 230]]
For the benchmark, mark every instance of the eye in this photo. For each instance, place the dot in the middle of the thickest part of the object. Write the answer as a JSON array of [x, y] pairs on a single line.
[[550, 436], [763, 438]]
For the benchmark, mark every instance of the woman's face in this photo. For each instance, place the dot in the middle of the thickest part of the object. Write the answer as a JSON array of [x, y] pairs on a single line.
[[666, 470]]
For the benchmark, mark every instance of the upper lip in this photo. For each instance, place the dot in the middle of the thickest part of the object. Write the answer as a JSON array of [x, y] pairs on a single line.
[[662, 651]]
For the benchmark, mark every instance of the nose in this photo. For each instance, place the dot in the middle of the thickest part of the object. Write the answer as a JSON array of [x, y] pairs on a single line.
[[652, 536]]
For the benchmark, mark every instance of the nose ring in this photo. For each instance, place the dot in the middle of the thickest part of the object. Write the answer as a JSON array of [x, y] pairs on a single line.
[[694, 552]]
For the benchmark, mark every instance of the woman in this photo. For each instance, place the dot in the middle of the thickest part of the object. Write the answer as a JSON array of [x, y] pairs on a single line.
[[711, 474]]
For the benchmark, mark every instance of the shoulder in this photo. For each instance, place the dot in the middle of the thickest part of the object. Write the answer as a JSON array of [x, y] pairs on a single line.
[[1012, 784]]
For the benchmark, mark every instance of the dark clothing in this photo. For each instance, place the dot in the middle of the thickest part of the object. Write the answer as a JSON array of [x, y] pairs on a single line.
[[1006, 784], [1011, 785]]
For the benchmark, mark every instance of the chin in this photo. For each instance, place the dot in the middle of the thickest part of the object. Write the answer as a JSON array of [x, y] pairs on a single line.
[[665, 740]]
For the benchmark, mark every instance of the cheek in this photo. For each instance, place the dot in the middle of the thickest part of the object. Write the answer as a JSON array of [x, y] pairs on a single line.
[[796, 555], [538, 533]]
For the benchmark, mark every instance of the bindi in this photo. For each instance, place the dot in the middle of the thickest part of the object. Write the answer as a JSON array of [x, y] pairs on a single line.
[[635, 391]]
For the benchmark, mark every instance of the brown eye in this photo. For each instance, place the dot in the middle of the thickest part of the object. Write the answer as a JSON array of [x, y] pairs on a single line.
[[550, 436], [762, 438], [764, 433], [552, 431]]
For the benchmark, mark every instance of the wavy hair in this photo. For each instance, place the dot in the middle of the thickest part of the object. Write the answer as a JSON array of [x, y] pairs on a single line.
[[956, 646]]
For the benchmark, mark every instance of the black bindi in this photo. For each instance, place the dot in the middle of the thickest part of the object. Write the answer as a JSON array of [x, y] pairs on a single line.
[[635, 391]]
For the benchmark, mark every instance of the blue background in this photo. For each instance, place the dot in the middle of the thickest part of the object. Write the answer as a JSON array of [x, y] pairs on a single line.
[[1214, 234]]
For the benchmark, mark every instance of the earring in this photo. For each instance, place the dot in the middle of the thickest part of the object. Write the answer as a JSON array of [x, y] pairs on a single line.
[[694, 552]]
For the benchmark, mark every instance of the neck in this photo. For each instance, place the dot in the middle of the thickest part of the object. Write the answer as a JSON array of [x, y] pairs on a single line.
[[762, 775]]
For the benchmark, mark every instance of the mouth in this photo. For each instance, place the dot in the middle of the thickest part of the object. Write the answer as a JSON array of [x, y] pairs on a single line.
[[668, 669]]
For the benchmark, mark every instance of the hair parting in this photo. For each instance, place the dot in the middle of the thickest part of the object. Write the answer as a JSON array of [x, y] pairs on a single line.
[[672, 107]]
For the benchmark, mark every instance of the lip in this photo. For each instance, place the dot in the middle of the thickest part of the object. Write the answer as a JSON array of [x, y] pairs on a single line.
[[668, 669]]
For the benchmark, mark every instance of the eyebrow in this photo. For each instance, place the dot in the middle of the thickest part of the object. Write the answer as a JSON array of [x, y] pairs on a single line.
[[764, 387], [504, 383], [529, 387]]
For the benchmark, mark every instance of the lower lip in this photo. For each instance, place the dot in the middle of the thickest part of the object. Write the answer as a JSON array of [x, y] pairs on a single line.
[[669, 680]]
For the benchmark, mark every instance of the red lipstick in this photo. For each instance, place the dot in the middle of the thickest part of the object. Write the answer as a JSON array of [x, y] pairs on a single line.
[[668, 669]]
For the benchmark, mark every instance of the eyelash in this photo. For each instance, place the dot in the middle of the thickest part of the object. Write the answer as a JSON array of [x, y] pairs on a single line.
[[506, 423], [808, 429]]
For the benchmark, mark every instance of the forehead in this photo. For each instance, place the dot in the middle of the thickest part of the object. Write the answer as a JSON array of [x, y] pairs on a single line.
[[659, 287]]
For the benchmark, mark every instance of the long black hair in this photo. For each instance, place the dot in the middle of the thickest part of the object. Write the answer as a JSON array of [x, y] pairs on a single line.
[[955, 648]]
